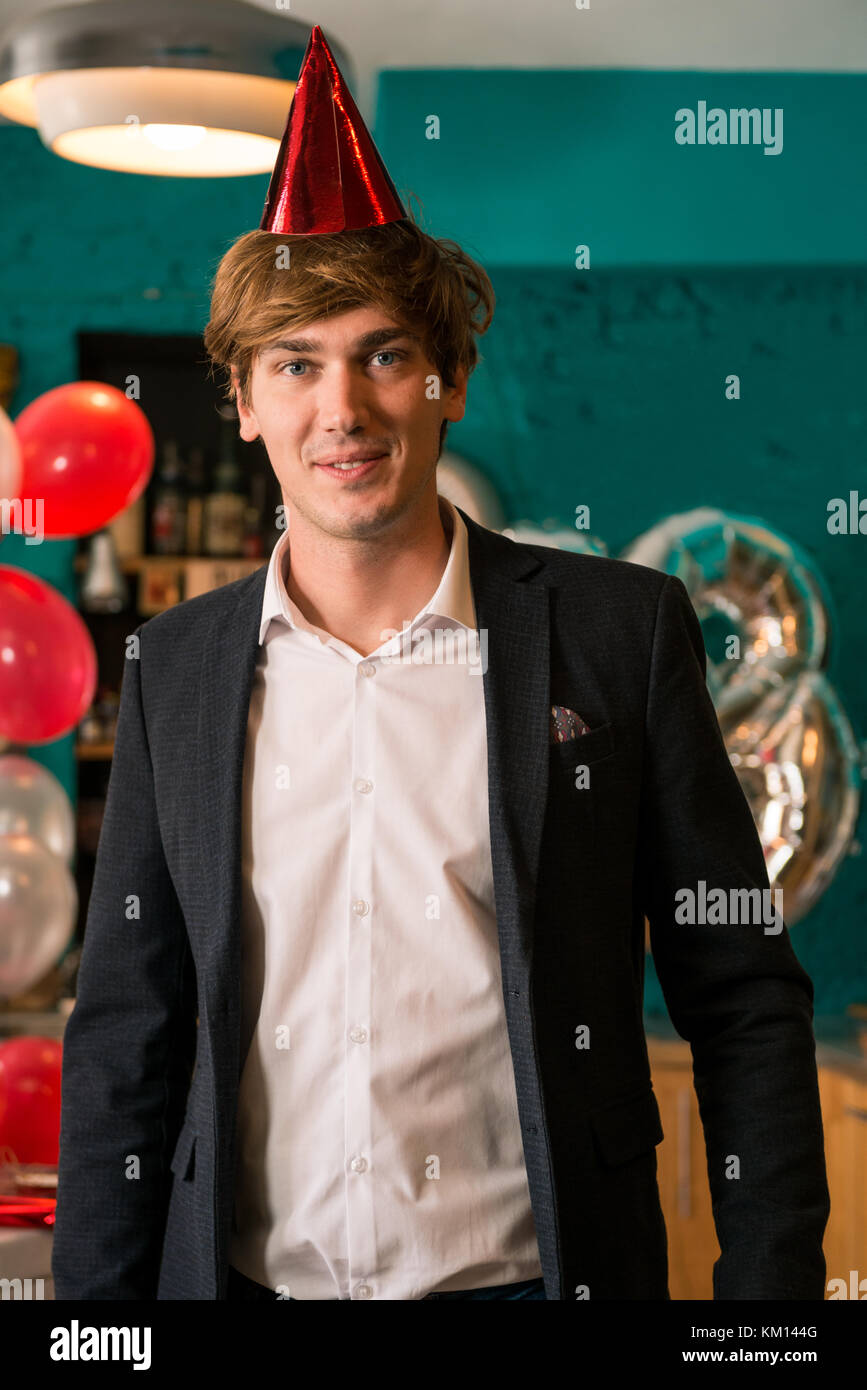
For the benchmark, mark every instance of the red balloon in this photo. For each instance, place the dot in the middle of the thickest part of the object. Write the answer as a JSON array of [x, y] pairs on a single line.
[[30, 1070], [87, 452], [48, 667]]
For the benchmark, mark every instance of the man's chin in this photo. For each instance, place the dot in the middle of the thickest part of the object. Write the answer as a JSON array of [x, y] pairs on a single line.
[[358, 520]]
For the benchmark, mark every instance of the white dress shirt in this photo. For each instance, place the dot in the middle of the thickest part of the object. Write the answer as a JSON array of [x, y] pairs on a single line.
[[379, 1147]]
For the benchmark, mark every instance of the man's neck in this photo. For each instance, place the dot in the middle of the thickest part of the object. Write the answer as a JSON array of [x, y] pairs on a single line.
[[360, 593]]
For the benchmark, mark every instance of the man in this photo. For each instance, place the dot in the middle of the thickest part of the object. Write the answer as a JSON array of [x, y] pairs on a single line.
[[388, 815]]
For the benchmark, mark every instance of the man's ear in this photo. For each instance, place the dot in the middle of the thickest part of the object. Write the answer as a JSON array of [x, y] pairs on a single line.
[[249, 423], [455, 399]]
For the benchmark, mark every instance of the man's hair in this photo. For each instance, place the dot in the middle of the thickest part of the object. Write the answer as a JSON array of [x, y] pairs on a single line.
[[427, 285]]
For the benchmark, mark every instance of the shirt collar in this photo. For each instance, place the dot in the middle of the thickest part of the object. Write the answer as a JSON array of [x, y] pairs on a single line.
[[453, 598]]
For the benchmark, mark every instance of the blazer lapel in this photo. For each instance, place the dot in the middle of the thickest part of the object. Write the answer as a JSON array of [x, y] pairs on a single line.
[[225, 686], [515, 617]]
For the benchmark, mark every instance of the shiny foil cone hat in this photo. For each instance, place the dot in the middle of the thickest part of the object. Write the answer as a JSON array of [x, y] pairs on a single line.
[[328, 176]]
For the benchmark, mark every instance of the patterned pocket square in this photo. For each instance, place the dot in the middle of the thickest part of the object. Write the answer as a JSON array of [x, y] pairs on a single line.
[[566, 725]]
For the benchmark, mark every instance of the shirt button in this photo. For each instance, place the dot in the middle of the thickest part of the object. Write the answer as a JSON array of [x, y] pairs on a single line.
[[359, 1165], [358, 1035], [364, 1291], [367, 668], [360, 907], [362, 784]]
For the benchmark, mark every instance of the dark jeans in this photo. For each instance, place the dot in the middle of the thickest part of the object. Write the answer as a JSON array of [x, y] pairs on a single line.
[[244, 1290]]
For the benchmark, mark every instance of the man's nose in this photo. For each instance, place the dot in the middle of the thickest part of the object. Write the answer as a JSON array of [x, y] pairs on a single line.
[[342, 399]]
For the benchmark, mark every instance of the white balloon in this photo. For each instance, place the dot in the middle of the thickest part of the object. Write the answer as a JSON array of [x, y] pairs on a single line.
[[38, 906], [466, 487], [556, 536], [33, 802]]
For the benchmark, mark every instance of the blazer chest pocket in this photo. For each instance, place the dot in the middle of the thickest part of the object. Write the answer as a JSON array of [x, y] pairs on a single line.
[[585, 750], [628, 1128], [183, 1161]]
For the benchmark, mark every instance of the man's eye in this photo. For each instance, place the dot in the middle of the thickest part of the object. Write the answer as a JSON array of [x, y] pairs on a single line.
[[395, 353]]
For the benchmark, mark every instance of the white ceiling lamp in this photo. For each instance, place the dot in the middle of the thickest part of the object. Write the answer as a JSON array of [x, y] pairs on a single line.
[[191, 88]]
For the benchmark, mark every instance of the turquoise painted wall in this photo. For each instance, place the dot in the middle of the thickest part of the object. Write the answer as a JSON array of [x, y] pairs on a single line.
[[529, 164], [600, 386]]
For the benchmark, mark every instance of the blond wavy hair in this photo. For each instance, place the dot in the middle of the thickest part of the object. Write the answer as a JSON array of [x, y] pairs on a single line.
[[426, 284]]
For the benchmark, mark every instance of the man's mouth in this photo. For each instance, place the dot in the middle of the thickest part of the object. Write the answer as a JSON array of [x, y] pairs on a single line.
[[350, 467]]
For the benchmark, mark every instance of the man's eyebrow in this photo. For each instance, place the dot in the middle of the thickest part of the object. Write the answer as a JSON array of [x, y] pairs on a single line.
[[378, 337]]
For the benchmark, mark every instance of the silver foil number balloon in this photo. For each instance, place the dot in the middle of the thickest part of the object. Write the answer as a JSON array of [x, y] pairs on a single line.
[[762, 607], [798, 763], [759, 599]]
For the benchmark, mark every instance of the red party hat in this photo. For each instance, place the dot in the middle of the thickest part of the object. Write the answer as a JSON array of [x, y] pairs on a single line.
[[329, 176]]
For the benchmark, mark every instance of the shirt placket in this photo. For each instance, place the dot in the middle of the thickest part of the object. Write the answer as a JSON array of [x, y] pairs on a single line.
[[359, 1029]]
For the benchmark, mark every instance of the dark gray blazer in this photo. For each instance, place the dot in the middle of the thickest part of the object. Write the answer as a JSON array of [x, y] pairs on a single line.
[[575, 873]]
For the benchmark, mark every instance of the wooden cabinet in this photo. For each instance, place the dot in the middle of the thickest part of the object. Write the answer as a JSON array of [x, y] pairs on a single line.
[[843, 1093], [683, 1185], [683, 1182]]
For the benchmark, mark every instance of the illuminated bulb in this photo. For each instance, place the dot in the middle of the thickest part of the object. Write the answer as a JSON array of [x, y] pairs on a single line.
[[174, 137]]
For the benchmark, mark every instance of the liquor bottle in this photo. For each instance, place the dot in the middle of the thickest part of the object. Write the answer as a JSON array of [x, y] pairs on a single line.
[[226, 504], [128, 529], [103, 589], [252, 536], [253, 544], [196, 489], [168, 519]]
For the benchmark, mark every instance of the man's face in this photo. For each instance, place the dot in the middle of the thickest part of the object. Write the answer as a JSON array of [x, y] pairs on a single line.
[[352, 384]]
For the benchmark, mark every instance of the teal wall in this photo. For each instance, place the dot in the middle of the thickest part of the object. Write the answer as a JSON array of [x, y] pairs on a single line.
[[602, 386], [529, 164]]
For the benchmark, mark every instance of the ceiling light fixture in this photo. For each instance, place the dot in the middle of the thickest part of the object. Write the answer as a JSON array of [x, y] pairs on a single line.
[[190, 88]]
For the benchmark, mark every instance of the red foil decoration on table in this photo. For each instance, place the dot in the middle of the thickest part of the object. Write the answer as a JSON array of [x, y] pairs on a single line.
[[28, 1191], [329, 176], [27, 1211]]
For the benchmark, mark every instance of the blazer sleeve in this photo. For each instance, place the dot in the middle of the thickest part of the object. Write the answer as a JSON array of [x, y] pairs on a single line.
[[736, 992], [128, 1045]]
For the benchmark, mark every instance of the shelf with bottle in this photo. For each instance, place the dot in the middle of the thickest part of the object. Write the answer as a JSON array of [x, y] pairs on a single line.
[[97, 727], [164, 580], [198, 537], [134, 564], [188, 512], [189, 517], [94, 752]]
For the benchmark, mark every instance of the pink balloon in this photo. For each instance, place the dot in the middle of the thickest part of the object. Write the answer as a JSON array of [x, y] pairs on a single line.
[[87, 452], [48, 668]]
